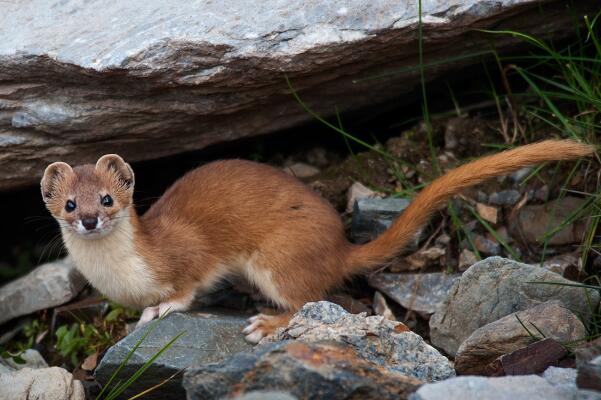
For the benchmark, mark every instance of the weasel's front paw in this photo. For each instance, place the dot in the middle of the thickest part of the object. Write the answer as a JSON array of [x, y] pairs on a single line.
[[262, 325]]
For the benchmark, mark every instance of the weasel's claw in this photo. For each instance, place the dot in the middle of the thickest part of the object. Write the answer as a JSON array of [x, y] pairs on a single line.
[[254, 337]]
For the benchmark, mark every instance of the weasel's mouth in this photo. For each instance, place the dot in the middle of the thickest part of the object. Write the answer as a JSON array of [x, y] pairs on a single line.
[[94, 233], [102, 228]]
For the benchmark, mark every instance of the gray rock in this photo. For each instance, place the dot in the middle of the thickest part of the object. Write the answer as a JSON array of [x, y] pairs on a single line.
[[381, 307], [46, 286], [589, 374], [565, 265], [535, 221], [466, 260], [542, 193], [423, 293], [520, 174], [504, 198], [507, 334], [33, 359], [265, 395], [303, 370], [301, 170], [371, 217], [496, 287], [588, 362], [419, 260], [525, 387], [386, 343], [208, 338], [561, 377], [149, 79], [40, 384], [358, 191], [5, 369], [485, 246]]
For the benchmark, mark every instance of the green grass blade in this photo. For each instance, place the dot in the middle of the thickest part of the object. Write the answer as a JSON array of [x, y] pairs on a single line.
[[120, 389], [578, 285], [425, 109], [129, 355]]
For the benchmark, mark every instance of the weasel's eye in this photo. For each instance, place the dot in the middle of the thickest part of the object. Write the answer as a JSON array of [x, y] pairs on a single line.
[[70, 206], [107, 201]]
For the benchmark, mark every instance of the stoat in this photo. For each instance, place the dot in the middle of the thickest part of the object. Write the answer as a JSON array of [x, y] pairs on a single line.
[[237, 217]]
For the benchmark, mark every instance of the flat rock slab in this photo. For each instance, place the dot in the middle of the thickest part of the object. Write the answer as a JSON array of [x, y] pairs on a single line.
[[148, 79], [48, 285], [513, 332], [386, 343], [303, 370], [496, 287], [45, 383], [208, 338], [423, 293], [532, 359]]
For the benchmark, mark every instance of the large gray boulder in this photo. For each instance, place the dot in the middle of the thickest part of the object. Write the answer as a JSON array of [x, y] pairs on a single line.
[[48, 285], [496, 287], [208, 338], [383, 342], [151, 78]]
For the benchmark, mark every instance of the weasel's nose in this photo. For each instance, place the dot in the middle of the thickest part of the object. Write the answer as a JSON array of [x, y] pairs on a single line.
[[89, 223]]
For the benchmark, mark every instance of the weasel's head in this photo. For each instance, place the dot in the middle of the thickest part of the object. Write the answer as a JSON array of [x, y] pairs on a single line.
[[89, 200]]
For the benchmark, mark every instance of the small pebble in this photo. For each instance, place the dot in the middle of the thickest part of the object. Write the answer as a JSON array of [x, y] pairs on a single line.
[[504, 198]]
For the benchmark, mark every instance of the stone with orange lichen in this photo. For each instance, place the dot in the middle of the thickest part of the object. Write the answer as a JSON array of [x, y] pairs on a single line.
[[302, 370]]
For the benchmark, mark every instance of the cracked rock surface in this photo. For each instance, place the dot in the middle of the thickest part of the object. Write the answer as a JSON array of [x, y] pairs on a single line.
[[149, 79], [383, 342], [207, 338]]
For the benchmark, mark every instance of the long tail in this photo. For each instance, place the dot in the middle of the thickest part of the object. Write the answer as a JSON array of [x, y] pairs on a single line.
[[435, 195]]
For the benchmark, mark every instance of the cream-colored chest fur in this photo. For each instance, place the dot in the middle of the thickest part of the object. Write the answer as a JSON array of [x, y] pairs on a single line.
[[112, 265]]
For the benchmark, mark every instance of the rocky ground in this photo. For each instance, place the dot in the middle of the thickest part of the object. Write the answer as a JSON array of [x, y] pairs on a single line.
[[469, 297]]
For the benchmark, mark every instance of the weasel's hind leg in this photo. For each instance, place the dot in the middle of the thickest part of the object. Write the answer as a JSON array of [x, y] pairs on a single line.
[[277, 287], [292, 276]]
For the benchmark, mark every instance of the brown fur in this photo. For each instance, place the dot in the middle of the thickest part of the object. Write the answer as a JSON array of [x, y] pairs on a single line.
[[246, 218]]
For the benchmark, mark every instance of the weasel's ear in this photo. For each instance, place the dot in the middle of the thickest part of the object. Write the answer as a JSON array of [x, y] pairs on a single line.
[[54, 176], [114, 164]]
